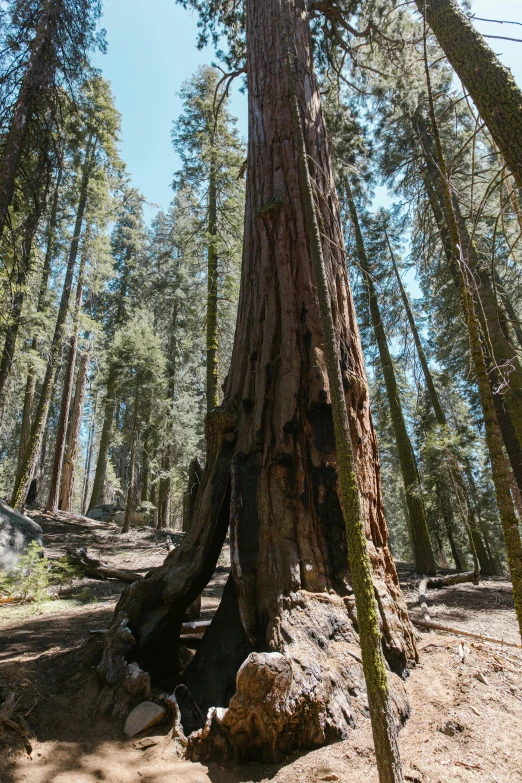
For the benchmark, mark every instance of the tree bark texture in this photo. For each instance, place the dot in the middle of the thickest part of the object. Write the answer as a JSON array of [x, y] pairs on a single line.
[[71, 456], [418, 528], [23, 479], [32, 83], [288, 618], [489, 83]]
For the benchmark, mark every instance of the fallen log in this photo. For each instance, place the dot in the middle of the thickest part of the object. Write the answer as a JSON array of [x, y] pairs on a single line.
[[458, 631], [438, 582], [197, 628], [97, 568]]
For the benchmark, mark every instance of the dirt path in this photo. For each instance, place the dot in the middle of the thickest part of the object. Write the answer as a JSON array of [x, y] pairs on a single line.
[[466, 698]]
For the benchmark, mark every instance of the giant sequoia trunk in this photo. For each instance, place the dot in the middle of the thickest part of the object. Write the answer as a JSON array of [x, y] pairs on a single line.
[[270, 475]]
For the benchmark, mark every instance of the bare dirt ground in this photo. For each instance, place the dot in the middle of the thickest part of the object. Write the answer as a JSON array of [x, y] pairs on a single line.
[[465, 695]]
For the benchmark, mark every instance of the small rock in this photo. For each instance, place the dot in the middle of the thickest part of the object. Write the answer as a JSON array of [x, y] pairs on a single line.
[[481, 678], [146, 742], [326, 774], [451, 727], [142, 717]]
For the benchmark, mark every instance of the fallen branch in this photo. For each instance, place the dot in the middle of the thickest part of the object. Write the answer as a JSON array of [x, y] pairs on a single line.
[[458, 631], [20, 728], [422, 600], [98, 569]]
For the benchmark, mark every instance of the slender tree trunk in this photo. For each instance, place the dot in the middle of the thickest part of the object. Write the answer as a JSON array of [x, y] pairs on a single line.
[[90, 449], [493, 329], [65, 405], [30, 89], [212, 294], [145, 456], [129, 508], [271, 473], [71, 456], [489, 83], [493, 436], [420, 537], [24, 265], [23, 478], [493, 558], [154, 501], [98, 487], [30, 386], [454, 466], [512, 317], [164, 490], [189, 498], [428, 378]]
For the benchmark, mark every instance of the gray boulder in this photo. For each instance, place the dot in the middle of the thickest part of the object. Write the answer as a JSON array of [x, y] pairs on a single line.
[[105, 513], [16, 533]]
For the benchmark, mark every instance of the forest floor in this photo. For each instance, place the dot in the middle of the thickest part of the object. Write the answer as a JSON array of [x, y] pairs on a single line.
[[465, 695]]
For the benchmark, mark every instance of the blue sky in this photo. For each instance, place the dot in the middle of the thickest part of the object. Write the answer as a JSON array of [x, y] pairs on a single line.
[[152, 51]]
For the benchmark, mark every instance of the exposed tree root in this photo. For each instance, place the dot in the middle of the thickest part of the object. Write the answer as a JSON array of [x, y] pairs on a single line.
[[146, 626], [98, 569], [305, 693]]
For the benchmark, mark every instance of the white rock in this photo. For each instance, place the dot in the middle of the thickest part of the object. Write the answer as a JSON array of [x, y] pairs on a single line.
[[142, 717]]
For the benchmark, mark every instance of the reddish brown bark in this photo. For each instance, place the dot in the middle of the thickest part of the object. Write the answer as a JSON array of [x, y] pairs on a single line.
[[271, 470], [69, 465]]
